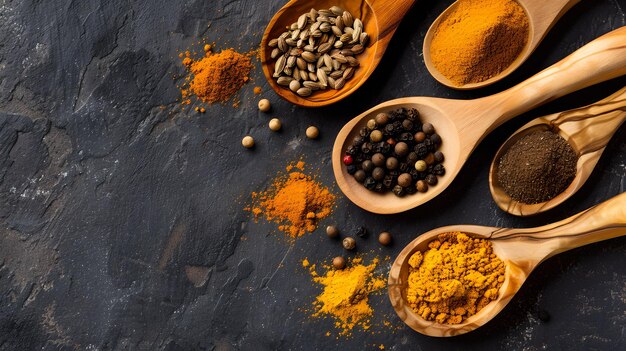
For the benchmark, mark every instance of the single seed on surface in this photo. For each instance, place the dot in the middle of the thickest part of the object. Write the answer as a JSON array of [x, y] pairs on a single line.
[[275, 124], [332, 231], [384, 238], [247, 142], [264, 105], [339, 262], [349, 243], [312, 132]]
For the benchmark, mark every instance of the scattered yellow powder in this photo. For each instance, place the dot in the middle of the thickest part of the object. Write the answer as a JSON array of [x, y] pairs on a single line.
[[346, 294], [295, 201], [454, 279], [305, 263]]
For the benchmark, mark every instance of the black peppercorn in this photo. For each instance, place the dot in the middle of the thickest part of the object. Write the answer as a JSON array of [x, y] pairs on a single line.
[[392, 163], [351, 169], [366, 148], [378, 173], [388, 181], [431, 179], [367, 166], [360, 175], [364, 132], [398, 190], [369, 183], [378, 159], [389, 129], [439, 170], [412, 157], [436, 139], [421, 150], [428, 128], [379, 188], [407, 125], [439, 156]]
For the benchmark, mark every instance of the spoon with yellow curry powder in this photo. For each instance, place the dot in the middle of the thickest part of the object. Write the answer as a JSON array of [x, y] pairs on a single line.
[[474, 43], [521, 250]]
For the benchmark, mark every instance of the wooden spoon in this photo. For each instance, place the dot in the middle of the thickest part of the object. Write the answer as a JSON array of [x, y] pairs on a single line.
[[462, 124], [542, 15], [380, 18], [587, 129], [522, 250]]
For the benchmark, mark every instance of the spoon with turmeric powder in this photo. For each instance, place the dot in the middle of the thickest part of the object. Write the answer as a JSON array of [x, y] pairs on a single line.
[[473, 44], [587, 130], [380, 18], [462, 124], [521, 251]]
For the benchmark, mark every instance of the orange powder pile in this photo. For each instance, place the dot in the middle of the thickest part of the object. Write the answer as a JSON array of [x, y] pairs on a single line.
[[345, 294], [296, 201], [215, 77]]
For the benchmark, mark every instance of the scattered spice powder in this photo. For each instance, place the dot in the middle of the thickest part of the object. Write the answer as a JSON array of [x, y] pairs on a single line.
[[478, 39], [296, 201], [346, 294], [454, 279], [215, 77], [537, 167], [257, 90]]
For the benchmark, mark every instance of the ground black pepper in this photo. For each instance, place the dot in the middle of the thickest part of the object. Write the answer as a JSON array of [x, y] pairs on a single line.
[[537, 168]]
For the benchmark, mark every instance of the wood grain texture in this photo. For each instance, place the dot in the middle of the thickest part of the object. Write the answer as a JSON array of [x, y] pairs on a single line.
[[587, 129], [380, 18], [522, 250], [542, 16], [462, 124]]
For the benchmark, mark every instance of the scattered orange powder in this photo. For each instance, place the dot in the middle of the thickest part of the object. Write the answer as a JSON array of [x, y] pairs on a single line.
[[346, 294], [215, 77], [295, 201], [257, 90]]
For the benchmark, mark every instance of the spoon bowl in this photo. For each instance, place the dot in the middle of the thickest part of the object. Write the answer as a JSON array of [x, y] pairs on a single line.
[[462, 124], [380, 18], [542, 15], [521, 250], [588, 130]]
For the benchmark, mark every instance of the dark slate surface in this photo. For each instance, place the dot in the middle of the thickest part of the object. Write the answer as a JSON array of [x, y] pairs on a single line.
[[122, 223]]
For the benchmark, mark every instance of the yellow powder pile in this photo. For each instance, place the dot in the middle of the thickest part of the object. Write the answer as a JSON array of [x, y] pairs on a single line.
[[296, 201], [346, 294], [478, 39], [455, 278], [215, 77]]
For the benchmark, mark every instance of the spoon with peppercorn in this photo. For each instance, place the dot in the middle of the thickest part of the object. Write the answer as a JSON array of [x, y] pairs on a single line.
[[587, 130], [379, 18], [521, 250], [541, 14], [462, 124]]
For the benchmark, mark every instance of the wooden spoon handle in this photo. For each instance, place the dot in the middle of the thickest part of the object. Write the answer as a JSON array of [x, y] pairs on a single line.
[[591, 127], [600, 60], [601, 222], [389, 14]]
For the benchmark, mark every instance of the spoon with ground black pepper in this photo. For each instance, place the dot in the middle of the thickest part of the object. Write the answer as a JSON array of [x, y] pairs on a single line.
[[521, 250], [380, 18], [541, 16], [462, 124], [587, 130]]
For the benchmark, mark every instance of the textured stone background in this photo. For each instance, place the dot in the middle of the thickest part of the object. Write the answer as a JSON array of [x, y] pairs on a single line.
[[121, 223]]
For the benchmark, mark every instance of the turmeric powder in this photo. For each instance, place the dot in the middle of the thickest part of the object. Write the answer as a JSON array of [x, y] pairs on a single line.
[[478, 39], [346, 294], [454, 279], [296, 201], [215, 77]]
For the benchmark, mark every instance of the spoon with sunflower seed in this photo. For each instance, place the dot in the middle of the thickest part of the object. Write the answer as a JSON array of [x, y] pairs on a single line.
[[317, 56]]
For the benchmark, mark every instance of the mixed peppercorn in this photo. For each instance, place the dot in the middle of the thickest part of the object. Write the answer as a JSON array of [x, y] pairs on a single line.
[[396, 152]]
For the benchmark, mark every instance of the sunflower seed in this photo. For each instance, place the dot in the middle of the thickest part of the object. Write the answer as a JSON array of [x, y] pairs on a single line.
[[295, 34], [338, 44], [336, 74], [313, 76], [321, 76], [294, 26], [313, 14], [339, 83], [312, 85], [308, 56], [344, 38], [304, 75], [322, 19], [304, 92], [339, 58], [275, 53], [309, 48], [336, 31], [279, 66], [311, 67], [364, 39], [336, 10], [352, 61], [356, 35], [316, 33], [273, 43], [282, 44], [346, 52], [336, 65], [325, 12], [288, 71], [339, 23], [296, 73], [300, 63], [302, 20], [294, 85], [291, 61], [290, 42], [304, 35], [284, 35], [327, 60], [284, 81], [347, 19], [331, 82], [295, 52], [349, 31], [324, 48], [315, 26], [357, 25], [325, 27], [348, 73], [357, 49]]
